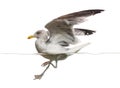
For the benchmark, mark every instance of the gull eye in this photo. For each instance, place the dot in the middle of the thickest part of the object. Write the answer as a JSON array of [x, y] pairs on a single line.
[[38, 33]]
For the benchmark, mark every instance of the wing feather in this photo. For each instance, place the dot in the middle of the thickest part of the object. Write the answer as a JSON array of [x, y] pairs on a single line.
[[79, 31], [61, 28]]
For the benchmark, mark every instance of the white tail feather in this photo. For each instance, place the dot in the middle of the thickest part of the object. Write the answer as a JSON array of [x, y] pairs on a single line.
[[76, 48]]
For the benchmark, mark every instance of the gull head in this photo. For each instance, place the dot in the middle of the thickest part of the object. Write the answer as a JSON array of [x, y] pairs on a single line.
[[39, 34]]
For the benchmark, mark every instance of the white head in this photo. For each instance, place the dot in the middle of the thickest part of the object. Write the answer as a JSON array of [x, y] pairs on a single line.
[[42, 34]]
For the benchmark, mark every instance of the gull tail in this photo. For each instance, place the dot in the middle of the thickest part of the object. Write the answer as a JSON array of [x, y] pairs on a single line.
[[76, 49]]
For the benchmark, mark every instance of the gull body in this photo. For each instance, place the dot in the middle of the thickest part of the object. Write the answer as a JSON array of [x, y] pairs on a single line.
[[52, 51], [54, 44]]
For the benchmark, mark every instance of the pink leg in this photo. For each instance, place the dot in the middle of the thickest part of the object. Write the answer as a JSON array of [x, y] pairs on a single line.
[[45, 63]]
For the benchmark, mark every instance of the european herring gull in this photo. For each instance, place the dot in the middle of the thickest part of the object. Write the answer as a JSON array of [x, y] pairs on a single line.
[[54, 43]]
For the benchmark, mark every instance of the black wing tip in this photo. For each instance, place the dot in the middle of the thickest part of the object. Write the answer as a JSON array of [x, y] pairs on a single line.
[[86, 31], [95, 11], [99, 10], [89, 32]]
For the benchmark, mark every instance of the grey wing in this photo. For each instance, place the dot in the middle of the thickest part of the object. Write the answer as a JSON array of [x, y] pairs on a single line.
[[61, 28], [60, 32]]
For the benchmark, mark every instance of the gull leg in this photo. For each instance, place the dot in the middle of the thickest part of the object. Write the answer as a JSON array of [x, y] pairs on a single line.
[[56, 61], [45, 63], [49, 62], [40, 76], [58, 58], [55, 66]]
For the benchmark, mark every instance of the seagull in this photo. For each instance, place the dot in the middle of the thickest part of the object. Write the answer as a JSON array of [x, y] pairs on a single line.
[[54, 44]]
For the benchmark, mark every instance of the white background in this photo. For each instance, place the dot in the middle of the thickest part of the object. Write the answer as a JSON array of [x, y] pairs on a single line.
[[20, 18]]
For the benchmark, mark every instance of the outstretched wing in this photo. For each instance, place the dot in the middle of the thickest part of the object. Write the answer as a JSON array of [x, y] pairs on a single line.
[[61, 28]]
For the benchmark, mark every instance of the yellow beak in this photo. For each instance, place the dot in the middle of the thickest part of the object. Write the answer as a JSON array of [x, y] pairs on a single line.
[[31, 36]]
